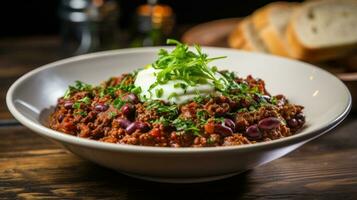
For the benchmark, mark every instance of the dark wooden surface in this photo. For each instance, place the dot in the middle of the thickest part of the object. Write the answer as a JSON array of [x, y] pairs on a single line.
[[32, 167]]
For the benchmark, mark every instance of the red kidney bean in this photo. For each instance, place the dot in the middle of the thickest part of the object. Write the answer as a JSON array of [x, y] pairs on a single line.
[[123, 123], [131, 128], [60, 118], [68, 104], [142, 126], [245, 103], [128, 109], [269, 123], [293, 123], [300, 117], [222, 130], [253, 132], [233, 105], [230, 123], [101, 107], [131, 98]]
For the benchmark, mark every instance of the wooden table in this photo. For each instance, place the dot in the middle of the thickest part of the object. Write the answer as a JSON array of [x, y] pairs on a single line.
[[31, 167]]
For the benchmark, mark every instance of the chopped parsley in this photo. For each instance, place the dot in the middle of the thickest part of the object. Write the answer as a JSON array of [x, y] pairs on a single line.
[[118, 103], [186, 125], [76, 105], [112, 114], [78, 86], [202, 116], [159, 92], [172, 95], [85, 100], [170, 111], [82, 113]]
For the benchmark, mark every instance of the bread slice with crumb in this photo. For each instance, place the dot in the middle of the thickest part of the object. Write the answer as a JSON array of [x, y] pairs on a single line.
[[271, 22], [322, 30], [245, 37]]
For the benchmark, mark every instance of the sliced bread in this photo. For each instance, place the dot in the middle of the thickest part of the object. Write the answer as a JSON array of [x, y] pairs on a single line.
[[245, 37], [322, 30], [236, 39], [271, 22]]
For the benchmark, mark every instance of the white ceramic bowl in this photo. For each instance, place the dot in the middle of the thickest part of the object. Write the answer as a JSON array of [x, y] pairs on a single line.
[[326, 99]]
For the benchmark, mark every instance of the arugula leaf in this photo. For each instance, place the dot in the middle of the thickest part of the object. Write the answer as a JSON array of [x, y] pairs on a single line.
[[183, 64]]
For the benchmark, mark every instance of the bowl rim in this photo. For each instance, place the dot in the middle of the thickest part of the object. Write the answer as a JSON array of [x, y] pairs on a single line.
[[65, 138]]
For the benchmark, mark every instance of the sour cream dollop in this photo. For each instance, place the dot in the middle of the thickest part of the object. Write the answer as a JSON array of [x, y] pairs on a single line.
[[168, 92]]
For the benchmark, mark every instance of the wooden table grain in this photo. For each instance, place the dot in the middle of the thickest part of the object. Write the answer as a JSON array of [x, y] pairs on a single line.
[[32, 167]]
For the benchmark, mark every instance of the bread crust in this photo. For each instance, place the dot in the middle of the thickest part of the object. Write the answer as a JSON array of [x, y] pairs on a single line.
[[274, 41], [299, 51], [236, 38]]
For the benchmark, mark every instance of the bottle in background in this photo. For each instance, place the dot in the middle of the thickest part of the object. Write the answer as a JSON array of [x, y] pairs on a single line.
[[153, 25], [88, 26]]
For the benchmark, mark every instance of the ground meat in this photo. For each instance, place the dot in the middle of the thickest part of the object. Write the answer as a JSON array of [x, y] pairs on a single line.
[[112, 113]]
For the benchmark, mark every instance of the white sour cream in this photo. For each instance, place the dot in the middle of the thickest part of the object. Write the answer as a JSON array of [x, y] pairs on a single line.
[[146, 77]]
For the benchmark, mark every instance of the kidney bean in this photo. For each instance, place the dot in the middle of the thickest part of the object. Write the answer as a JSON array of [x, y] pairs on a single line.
[[233, 105], [60, 118], [123, 123], [142, 126], [68, 104], [293, 123], [131, 98], [269, 123], [300, 117], [131, 128], [222, 130], [230, 123], [253, 132], [101, 107], [128, 109]]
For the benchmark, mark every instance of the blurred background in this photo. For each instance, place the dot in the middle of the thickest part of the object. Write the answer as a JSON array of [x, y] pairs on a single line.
[[111, 24], [36, 32]]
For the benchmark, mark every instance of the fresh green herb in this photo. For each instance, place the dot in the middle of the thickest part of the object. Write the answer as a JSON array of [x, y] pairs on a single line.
[[76, 105], [252, 108], [82, 113], [199, 99], [183, 64], [101, 92], [118, 103], [159, 92], [233, 86], [186, 125], [182, 86], [274, 100], [202, 116], [219, 119], [123, 85], [169, 112], [136, 90], [172, 95], [85, 100], [78, 86], [112, 114], [209, 141], [162, 120]]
